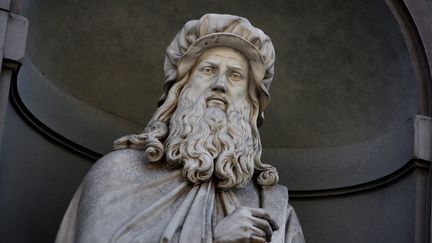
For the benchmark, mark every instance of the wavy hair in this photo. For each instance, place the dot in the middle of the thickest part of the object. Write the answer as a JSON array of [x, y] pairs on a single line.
[[232, 164]]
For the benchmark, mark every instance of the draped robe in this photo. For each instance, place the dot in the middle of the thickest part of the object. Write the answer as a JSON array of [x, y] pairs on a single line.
[[125, 198]]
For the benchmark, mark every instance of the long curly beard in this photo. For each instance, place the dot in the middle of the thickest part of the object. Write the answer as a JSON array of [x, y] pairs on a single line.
[[208, 141]]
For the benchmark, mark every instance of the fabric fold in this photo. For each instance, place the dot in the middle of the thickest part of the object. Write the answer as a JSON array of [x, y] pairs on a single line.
[[141, 220], [197, 225], [172, 230], [158, 205]]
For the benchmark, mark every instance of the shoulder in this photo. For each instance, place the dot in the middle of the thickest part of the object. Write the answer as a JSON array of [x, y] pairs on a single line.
[[276, 190], [125, 163], [294, 232], [121, 156], [281, 188]]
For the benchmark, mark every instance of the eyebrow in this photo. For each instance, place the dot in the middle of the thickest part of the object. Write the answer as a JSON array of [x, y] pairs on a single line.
[[234, 67]]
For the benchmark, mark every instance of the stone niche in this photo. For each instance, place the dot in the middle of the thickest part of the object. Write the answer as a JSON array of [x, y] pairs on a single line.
[[341, 113], [342, 97]]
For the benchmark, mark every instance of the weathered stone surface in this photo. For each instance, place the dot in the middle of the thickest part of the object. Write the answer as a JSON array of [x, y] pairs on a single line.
[[195, 173]]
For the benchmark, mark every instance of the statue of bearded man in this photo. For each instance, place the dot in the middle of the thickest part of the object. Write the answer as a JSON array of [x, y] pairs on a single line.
[[195, 173]]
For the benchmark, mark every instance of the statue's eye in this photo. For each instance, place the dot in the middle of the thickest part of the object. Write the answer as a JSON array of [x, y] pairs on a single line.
[[235, 76], [208, 70]]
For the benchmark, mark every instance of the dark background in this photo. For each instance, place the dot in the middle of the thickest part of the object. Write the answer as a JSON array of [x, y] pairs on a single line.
[[349, 79]]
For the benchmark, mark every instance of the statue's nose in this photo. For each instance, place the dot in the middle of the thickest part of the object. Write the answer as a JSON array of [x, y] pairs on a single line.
[[220, 84]]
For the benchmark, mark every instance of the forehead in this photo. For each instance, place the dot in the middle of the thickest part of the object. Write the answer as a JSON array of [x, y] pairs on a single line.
[[224, 54]]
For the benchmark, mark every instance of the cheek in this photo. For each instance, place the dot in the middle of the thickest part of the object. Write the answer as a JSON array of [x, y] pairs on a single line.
[[198, 84], [240, 92]]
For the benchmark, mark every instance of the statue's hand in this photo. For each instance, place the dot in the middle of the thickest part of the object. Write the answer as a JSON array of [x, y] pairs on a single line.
[[245, 225]]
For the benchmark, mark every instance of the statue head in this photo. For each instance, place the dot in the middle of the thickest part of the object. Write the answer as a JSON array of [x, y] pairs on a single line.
[[218, 71]]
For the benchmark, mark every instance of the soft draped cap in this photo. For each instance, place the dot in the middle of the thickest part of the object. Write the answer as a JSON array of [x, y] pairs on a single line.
[[213, 30]]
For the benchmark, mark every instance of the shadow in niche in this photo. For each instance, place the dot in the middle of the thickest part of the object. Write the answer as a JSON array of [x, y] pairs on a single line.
[[44, 130], [57, 138], [377, 184], [343, 75], [313, 111], [314, 31], [417, 52]]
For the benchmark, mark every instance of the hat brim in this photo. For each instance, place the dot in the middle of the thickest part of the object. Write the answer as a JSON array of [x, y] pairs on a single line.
[[236, 42]]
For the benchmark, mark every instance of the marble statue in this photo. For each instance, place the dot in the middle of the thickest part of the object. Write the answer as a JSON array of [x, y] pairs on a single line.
[[195, 173]]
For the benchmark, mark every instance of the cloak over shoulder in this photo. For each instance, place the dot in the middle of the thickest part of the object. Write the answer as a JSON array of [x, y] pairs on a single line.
[[124, 198]]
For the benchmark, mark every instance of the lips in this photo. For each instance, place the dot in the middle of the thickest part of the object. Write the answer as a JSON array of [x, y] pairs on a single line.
[[217, 101], [211, 98]]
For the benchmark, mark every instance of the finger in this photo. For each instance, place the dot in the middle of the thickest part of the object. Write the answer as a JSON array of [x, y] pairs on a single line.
[[257, 239], [273, 224], [261, 213], [265, 226], [258, 232]]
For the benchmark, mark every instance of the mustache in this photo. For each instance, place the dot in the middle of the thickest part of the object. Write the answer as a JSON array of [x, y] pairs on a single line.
[[210, 145], [218, 96]]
